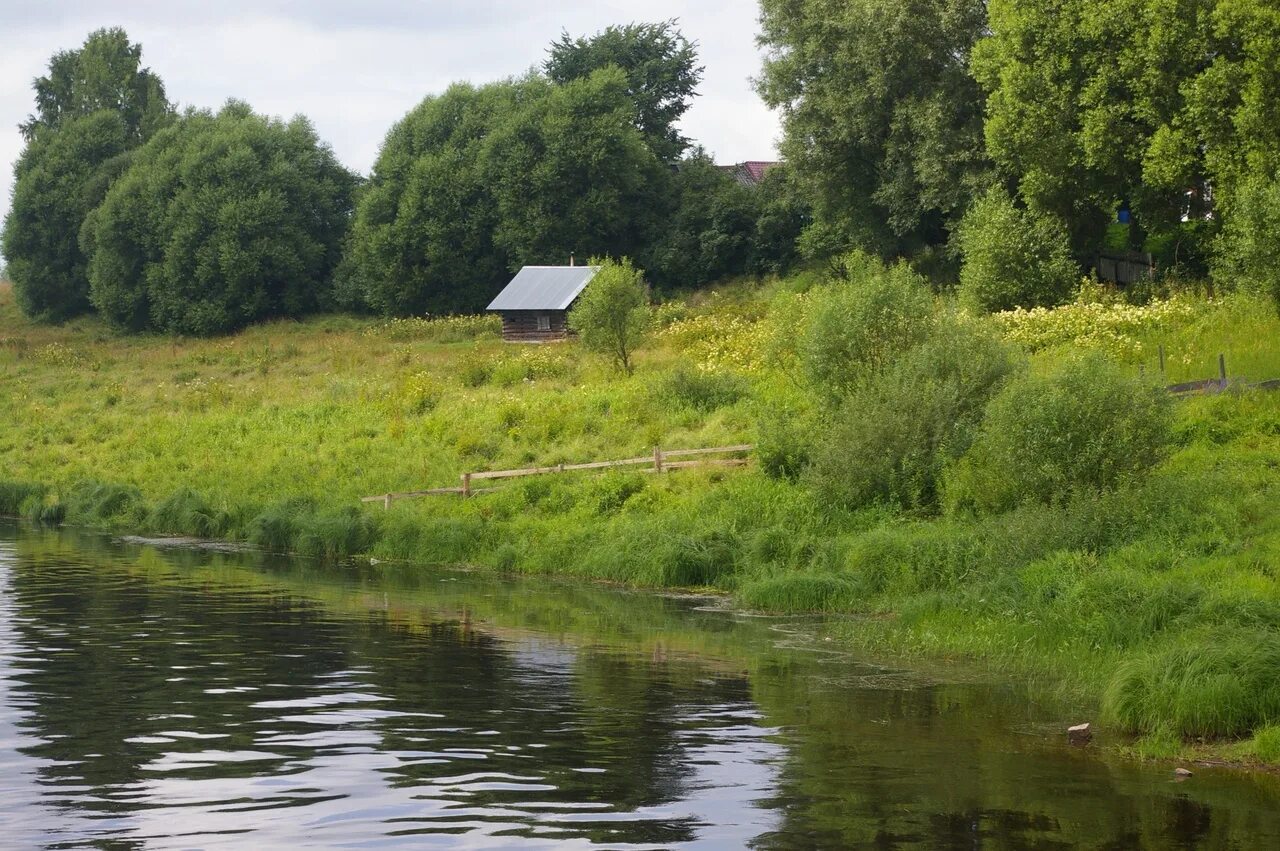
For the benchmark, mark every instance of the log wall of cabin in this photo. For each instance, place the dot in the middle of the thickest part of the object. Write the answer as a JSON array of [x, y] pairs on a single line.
[[521, 326]]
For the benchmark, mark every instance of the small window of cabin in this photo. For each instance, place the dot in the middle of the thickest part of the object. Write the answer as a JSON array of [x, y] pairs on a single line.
[[544, 322]]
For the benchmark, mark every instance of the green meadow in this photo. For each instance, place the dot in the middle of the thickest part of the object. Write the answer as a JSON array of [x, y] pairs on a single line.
[[1152, 595]]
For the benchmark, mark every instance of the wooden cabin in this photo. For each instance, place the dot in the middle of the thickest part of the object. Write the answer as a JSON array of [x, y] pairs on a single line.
[[535, 305]]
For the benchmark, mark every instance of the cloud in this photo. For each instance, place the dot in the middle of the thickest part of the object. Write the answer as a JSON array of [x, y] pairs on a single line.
[[355, 69]]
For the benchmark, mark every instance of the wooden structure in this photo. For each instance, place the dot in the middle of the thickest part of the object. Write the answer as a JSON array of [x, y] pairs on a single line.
[[659, 462], [535, 306]]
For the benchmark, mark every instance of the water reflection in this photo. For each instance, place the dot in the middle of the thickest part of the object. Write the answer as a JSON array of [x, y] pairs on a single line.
[[177, 699]]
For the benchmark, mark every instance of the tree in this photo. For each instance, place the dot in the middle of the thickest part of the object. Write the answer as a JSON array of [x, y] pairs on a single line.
[[612, 314], [61, 177], [882, 121], [94, 106], [219, 221], [710, 235], [661, 70], [422, 239], [105, 73], [1013, 257], [477, 182], [568, 174], [1248, 253]]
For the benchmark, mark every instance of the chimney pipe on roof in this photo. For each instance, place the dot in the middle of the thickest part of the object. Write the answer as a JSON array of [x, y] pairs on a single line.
[[571, 258]]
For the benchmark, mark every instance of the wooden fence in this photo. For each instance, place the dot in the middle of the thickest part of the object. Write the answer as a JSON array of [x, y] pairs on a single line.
[[658, 462], [1215, 385]]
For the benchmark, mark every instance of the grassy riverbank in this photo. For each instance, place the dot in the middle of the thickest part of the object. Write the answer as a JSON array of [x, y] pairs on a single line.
[[1159, 599]]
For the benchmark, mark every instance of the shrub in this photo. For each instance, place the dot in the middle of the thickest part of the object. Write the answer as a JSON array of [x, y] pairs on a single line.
[[1013, 257], [612, 314], [1248, 250], [859, 324], [1085, 426], [893, 435], [700, 391], [784, 442], [1217, 683]]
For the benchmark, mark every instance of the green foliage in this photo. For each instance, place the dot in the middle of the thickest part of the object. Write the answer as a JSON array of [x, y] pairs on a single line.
[[862, 322], [1092, 102], [479, 181], [105, 73], [661, 73], [61, 176], [1087, 425], [881, 119], [1249, 248], [1212, 683], [14, 496], [220, 220], [612, 314], [1013, 257], [710, 235], [892, 437], [700, 391], [801, 592]]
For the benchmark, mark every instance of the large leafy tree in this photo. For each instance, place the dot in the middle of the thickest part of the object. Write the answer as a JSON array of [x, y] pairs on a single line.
[[711, 233], [570, 174], [661, 69], [61, 177], [422, 239], [882, 119], [105, 73], [220, 220], [95, 104], [1169, 106], [478, 181]]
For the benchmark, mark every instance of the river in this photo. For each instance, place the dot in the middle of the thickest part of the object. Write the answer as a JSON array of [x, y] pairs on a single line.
[[182, 698]]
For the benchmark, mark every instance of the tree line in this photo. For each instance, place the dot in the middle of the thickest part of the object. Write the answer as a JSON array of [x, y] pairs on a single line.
[[980, 138], [997, 144], [200, 222]]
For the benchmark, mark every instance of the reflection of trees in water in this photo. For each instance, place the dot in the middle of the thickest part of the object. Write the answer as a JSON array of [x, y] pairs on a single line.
[[937, 767], [134, 651]]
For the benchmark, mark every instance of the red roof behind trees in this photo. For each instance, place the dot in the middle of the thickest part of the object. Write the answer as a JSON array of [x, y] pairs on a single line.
[[749, 173]]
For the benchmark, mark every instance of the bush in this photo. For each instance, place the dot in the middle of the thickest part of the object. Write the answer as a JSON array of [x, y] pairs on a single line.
[[1248, 250], [862, 322], [612, 314], [1013, 257], [1218, 683], [700, 391], [1086, 426], [219, 221], [893, 435]]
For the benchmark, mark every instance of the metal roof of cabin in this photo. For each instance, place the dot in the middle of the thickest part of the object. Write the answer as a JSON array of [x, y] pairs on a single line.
[[544, 288]]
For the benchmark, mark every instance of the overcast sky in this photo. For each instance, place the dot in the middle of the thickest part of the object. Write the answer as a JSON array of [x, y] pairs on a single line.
[[357, 67]]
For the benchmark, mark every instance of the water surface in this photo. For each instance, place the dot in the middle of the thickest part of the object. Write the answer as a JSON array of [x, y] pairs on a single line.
[[180, 698]]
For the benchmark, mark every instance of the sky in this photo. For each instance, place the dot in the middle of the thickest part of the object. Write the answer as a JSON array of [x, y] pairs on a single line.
[[356, 68]]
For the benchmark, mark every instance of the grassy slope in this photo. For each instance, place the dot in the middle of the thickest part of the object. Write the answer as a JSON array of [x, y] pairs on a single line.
[[273, 434]]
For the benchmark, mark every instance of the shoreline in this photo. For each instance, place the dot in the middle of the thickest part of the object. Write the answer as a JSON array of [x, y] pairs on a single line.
[[931, 667]]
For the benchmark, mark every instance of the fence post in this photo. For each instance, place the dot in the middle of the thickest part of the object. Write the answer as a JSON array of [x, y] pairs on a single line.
[[1162, 360], [657, 459], [466, 485], [1222, 371], [386, 502]]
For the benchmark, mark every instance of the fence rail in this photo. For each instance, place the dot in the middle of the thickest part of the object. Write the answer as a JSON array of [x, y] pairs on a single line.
[[1216, 385], [655, 463]]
